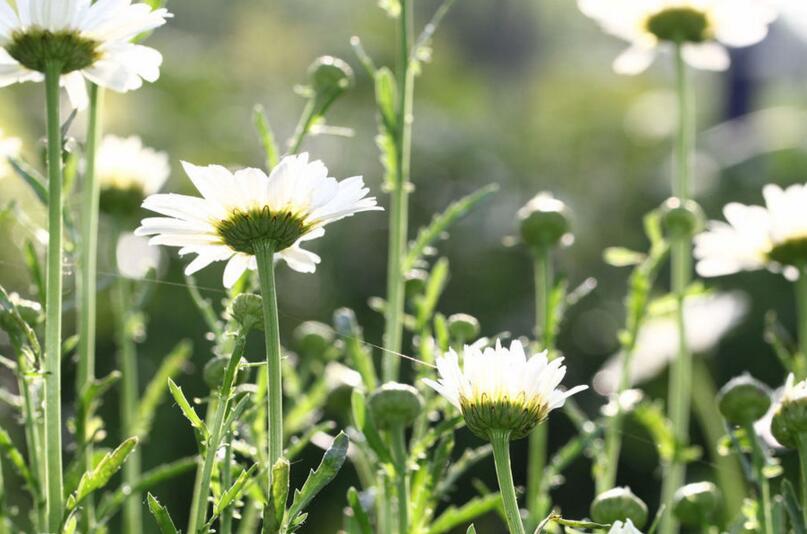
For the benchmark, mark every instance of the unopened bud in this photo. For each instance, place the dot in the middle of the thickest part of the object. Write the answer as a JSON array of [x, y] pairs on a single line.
[[544, 222], [313, 338], [681, 219], [696, 504], [395, 404], [619, 504], [247, 310], [463, 327], [743, 400]]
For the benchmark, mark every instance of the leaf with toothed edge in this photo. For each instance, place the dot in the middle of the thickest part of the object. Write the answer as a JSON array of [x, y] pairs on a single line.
[[161, 516]]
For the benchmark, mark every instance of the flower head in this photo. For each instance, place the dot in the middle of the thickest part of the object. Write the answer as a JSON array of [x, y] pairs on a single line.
[[135, 258], [789, 424], [127, 172], [702, 27], [85, 40], [238, 211], [9, 148], [755, 237], [497, 388]]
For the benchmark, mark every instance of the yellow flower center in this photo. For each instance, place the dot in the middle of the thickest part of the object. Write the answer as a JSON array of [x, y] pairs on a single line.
[[36, 48]]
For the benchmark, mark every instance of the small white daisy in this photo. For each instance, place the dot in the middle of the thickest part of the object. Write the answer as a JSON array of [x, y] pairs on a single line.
[[756, 237], [707, 317], [497, 388], [135, 257], [703, 27], [88, 40], [125, 164], [238, 210], [9, 148]]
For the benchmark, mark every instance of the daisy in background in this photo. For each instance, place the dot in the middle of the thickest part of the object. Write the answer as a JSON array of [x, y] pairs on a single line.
[[10, 147], [771, 237], [127, 172], [90, 41], [704, 28], [238, 210], [708, 318]]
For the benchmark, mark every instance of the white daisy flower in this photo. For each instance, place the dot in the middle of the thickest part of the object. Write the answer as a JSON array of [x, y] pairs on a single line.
[[756, 237], [703, 27], [707, 318], [88, 40], [497, 388], [624, 528], [127, 172], [135, 257], [238, 210], [9, 148]]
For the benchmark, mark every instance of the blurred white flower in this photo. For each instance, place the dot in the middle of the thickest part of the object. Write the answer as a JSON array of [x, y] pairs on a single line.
[[624, 528], [497, 388], [125, 164], [88, 40], [135, 257], [704, 27], [756, 237], [707, 317], [237, 211], [9, 148], [794, 13]]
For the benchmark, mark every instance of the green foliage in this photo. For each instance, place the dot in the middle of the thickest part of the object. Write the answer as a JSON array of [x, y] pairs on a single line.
[[359, 513], [154, 394], [455, 516], [189, 413], [161, 516], [98, 477], [16, 459], [651, 416], [794, 512], [266, 136]]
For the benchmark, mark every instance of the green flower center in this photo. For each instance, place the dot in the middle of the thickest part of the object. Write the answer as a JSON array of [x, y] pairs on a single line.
[[243, 229], [517, 416], [791, 252], [680, 24], [36, 48]]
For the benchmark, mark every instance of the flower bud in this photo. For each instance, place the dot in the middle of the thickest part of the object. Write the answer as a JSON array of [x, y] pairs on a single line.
[[696, 504], [395, 404], [544, 222], [789, 424], [415, 282], [463, 327], [329, 77], [214, 370], [313, 338], [681, 220], [247, 310], [619, 504], [743, 400]]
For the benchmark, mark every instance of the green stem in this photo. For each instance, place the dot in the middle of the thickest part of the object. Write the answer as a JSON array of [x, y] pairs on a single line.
[[212, 407], [681, 259], [727, 467], [802, 447], [53, 326], [800, 368], [32, 442], [217, 431], [88, 261], [127, 360], [226, 520], [303, 127], [264, 254], [758, 457], [500, 440], [536, 501], [399, 206], [398, 446]]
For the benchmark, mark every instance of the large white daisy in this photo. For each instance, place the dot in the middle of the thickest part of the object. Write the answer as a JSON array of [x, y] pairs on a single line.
[[497, 388], [756, 237], [238, 210], [89, 40], [703, 27]]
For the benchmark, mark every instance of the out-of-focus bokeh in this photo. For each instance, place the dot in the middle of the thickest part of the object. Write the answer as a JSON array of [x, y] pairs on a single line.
[[518, 92]]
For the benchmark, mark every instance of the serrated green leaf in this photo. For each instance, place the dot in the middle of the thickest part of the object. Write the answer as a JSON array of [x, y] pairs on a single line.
[[267, 137], [154, 394], [233, 493], [70, 524], [99, 476], [331, 463], [441, 222], [96, 389], [188, 411], [161, 516], [454, 516], [359, 513]]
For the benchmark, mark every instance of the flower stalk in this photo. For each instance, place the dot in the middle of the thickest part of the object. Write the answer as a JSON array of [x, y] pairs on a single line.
[[398, 447], [800, 369], [500, 440], [264, 254], [53, 328], [758, 462], [399, 206], [681, 260], [802, 448], [88, 260]]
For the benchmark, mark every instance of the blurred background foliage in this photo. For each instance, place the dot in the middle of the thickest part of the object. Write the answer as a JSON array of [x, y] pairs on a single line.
[[518, 92]]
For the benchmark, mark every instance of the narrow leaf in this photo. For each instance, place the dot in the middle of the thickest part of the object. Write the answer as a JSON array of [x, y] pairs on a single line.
[[31, 177], [161, 516], [280, 493], [793, 508], [188, 411], [454, 516], [386, 97], [98, 477], [16, 459], [359, 513], [267, 137], [233, 493], [331, 463]]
